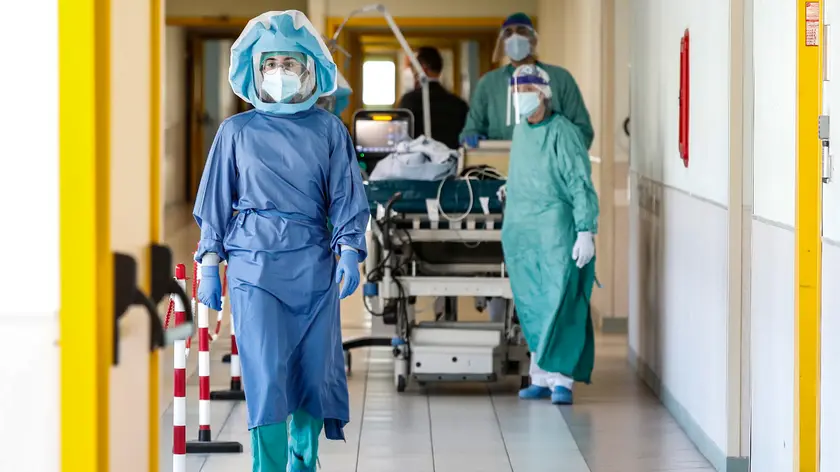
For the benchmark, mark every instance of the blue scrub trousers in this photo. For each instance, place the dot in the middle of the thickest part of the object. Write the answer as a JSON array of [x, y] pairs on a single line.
[[281, 447]]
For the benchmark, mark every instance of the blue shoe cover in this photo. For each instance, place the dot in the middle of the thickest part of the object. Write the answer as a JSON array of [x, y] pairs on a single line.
[[561, 396], [534, 392]]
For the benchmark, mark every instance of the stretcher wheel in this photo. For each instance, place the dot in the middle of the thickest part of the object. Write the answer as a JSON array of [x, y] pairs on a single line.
[[524, 382], [401, 384]]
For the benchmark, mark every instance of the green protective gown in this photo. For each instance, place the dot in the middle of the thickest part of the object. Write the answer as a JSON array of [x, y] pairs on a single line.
[[551, 198], [488, 105], [285, 447]]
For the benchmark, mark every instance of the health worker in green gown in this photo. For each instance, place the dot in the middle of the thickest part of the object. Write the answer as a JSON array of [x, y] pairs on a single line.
[[551, 217], [491, 116]]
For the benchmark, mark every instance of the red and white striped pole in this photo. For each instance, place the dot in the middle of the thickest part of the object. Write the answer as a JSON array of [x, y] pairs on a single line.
[[205, 443], [179, 406], [235, 366], [194, 299], [235, 393], [203, 371]]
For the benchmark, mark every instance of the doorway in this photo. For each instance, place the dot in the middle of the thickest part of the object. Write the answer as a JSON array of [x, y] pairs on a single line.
[[378, 76], [209, 99]]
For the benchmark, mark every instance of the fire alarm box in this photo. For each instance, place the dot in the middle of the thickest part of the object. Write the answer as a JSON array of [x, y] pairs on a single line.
[[684, 98]]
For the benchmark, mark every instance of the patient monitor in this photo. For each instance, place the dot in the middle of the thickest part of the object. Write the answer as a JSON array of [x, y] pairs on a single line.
[[377, 133]]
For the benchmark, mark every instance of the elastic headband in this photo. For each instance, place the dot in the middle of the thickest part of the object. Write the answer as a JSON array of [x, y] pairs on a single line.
[[528, 79]]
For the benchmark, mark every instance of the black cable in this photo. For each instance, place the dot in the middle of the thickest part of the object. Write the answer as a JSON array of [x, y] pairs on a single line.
[[375, 272]]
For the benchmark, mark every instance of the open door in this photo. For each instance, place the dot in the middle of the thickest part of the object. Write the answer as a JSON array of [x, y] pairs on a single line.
[[135, 209]]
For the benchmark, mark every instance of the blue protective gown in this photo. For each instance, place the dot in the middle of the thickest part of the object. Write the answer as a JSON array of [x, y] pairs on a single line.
[[285, 175]]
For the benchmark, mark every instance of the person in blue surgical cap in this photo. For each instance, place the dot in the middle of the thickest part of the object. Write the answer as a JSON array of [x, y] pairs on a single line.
[[273, 178]]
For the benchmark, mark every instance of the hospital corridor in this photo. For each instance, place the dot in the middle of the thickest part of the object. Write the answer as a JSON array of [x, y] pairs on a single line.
[[437, 236]]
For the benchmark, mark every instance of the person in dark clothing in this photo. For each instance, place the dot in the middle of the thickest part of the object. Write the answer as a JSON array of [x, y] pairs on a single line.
[[449, 111]]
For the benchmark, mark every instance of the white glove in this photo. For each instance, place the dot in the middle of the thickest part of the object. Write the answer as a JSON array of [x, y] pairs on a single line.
[[584, 249]]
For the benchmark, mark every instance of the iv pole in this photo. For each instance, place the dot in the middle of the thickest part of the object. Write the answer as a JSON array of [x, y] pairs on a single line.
[[418, 69]]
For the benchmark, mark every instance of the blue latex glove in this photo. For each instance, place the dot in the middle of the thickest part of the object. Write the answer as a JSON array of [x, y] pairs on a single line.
[[348, 269], [210, 287], [473, 139]]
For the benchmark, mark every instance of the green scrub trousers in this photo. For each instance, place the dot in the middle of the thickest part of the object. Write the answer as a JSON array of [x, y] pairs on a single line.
[[287, 446]]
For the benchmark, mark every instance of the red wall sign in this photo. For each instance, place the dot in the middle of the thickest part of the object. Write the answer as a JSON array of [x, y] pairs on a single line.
[[684, 98]]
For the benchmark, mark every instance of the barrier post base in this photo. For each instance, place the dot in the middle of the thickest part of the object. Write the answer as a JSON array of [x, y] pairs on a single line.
[[213, 447], [226, 359], [228, 395]]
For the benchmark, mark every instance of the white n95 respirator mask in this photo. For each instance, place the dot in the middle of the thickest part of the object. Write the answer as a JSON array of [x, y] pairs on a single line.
[[281, 85]]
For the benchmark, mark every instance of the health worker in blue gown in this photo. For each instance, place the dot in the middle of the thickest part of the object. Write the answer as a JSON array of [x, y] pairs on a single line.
[[274, 177]]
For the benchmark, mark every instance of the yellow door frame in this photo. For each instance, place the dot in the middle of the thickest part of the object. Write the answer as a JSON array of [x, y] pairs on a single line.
[[155, 207], [86, 272], [808, 286]]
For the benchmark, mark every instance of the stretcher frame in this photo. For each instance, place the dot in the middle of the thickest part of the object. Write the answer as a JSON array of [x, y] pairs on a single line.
[[445, 350]]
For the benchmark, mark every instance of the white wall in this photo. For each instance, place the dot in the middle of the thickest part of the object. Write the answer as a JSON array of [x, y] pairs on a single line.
[[658, 27], [570, 36], [175, 116], [775, 110], [678, 216], [227, 99], [772, 287], [29, 283]]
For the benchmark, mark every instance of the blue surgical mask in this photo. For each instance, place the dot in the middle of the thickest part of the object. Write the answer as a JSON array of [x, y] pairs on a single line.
[[281, 85], [527, 103], [517, 47]]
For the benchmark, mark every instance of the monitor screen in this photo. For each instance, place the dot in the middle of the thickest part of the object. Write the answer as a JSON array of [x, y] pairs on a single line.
[[380, 136]]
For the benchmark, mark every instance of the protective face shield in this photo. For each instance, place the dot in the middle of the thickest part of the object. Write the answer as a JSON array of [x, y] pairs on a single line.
[[327, 102], [338, 101], [280, 64], [517, 38], [341, 104], [529, 88], [285, 77]]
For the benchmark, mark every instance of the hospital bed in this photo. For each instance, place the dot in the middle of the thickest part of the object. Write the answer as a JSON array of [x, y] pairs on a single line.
[[436, 239]]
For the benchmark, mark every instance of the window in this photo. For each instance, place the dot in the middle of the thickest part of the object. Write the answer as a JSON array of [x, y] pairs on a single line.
[[379, 83]]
